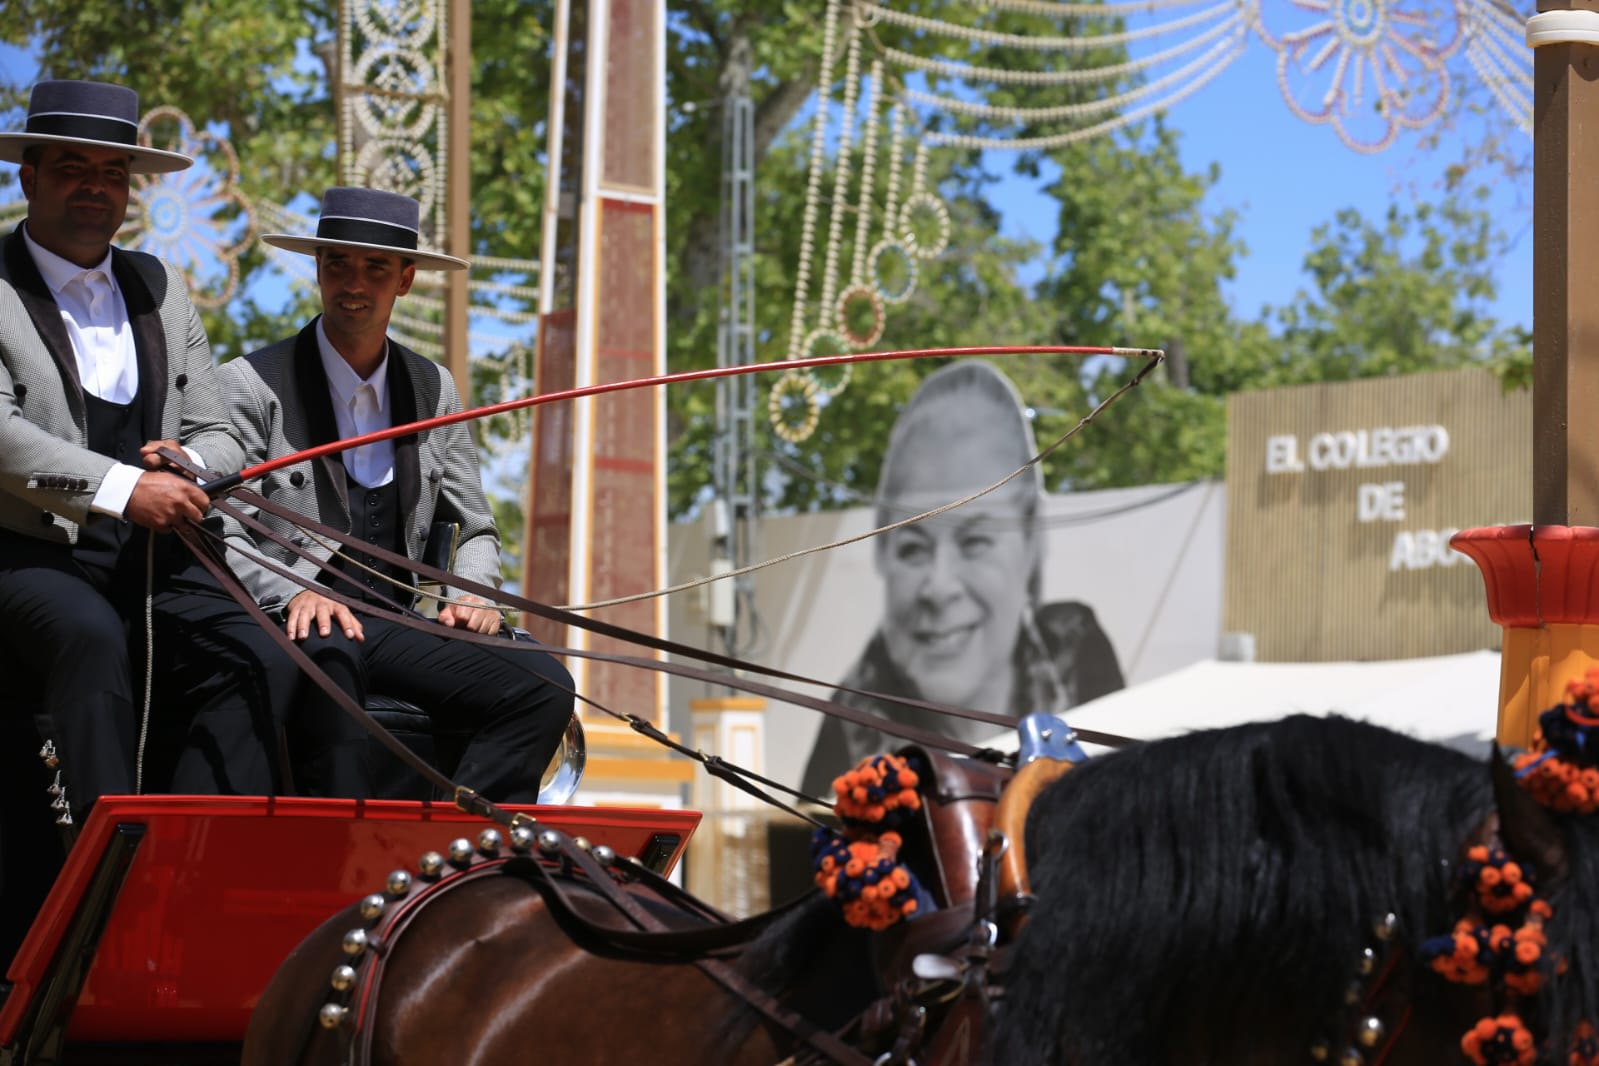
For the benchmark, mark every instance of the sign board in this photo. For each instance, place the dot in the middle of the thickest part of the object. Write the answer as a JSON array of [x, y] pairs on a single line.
[[1341, 502]]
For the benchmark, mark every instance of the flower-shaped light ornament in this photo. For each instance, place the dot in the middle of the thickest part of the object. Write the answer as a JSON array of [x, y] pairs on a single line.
[[1369, 67], [196, 219]]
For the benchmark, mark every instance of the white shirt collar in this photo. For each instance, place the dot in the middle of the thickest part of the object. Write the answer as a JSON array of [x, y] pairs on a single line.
[[343, 380], [58, 272]]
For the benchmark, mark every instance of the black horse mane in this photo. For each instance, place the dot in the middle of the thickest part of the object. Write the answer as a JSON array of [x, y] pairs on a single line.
[[1206, 897], [1572, 997], [817, 963]]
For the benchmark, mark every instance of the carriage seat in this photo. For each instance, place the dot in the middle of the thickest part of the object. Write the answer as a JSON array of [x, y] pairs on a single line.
[[439, 747]]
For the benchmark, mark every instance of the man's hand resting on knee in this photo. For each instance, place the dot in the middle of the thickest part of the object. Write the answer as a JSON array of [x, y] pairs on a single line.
[[314, 609], [478, 619]]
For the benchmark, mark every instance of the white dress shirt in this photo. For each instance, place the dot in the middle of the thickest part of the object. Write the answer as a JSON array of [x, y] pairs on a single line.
[[360, 406], [97, 323]]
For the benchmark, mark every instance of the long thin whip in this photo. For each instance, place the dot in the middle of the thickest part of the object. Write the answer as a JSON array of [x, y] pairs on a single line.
[[217, 486]]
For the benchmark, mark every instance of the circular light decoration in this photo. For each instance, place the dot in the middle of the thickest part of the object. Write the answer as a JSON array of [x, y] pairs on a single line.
[[934, 217], [196, 219], [793, 406], [1360, 21], [880, 262], [405, 80], [401, 166], [830, 380], [854, 304], [1369, 68], [401, 23]]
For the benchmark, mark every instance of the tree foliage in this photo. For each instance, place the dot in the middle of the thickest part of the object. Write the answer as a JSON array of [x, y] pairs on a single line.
[[1139, 255]]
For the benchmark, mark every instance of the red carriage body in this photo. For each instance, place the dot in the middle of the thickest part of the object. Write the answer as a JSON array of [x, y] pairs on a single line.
[[172, 912]]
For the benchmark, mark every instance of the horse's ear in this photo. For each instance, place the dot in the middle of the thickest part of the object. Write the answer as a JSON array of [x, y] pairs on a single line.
[[1528, 829]]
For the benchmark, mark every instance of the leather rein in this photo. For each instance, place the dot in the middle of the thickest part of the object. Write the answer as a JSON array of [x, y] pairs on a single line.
[[562, 856], [650, 932]]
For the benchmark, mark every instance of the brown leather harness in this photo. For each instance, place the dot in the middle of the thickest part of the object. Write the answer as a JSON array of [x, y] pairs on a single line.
[[936, 969]]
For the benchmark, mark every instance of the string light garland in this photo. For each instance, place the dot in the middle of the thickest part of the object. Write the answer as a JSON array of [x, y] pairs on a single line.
[[1367, 69]]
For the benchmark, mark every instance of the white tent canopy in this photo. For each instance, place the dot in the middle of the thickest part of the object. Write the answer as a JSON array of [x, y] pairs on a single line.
[[1450, 699]]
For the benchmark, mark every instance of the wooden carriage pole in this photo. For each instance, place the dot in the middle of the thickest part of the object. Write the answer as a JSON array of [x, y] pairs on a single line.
[[1542, 579]]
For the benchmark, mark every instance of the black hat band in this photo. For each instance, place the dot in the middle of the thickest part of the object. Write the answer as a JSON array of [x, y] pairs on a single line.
[[84, 128], [366, 231]]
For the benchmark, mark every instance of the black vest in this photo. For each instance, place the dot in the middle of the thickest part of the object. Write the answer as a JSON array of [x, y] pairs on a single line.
[[105, 542], [375, 518]]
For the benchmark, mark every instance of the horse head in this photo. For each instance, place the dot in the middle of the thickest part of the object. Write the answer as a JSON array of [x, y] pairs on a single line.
[[1262, 894]]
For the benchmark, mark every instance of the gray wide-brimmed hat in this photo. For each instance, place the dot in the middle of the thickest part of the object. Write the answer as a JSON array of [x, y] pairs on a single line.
[[96, 114], [368, 219]]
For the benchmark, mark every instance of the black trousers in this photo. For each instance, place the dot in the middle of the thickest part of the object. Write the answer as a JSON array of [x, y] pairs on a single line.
[[220, 688], [72, 645], [513, 698]]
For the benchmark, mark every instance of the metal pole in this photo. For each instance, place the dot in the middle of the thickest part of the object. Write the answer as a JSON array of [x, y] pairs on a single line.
[[554, 177], [734, 466], [458, 196]]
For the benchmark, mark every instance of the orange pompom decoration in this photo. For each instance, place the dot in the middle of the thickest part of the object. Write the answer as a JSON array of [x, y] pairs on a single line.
[[879, 791], [1584, 1047], [1501, 1041], [865, 878]]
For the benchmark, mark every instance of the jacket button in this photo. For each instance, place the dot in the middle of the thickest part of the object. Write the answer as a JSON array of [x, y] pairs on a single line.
[[22, 392], [181, 381], [297, 479], [433, 476]]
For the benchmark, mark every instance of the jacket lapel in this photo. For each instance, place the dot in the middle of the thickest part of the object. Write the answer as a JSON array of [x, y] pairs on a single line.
[[402, 411], [316, 402], [42, 309], [149, 341]]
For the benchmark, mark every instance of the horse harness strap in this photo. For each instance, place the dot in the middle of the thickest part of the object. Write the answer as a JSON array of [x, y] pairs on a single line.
[[652, 936], [820, 1040]]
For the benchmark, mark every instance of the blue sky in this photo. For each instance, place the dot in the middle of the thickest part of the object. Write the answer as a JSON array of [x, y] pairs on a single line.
[[1284, 176]]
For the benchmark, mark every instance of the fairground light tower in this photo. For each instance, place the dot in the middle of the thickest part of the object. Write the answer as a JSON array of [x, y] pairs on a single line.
[[596, 502]]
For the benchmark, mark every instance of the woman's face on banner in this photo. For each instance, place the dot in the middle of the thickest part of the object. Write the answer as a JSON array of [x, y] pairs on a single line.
[[956, 585]]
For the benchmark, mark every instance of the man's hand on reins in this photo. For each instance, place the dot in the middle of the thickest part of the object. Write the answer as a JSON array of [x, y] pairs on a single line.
[[162, 501], [485, 620], [150, 455], [312, 608]]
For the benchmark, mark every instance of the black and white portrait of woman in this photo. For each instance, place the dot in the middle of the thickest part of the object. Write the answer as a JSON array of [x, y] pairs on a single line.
[[962, 622]]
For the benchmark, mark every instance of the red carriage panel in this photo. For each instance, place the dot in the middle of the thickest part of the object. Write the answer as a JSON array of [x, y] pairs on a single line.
[[202, 897]]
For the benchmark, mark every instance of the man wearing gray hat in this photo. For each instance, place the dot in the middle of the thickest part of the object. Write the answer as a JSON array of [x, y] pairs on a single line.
[[340, 377], [103, 360]]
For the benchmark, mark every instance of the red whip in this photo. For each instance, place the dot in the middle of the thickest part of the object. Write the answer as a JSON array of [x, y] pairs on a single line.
[[220, 485]]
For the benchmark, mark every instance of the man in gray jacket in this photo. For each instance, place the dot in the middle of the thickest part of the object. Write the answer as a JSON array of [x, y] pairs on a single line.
[[340, 377], [103, 360]]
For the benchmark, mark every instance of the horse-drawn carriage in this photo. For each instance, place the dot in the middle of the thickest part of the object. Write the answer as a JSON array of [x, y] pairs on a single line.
[[1309, 889], [1268, 893]]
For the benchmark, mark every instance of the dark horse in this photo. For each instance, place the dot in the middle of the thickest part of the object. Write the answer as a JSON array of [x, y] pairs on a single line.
[[1206, 899]]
